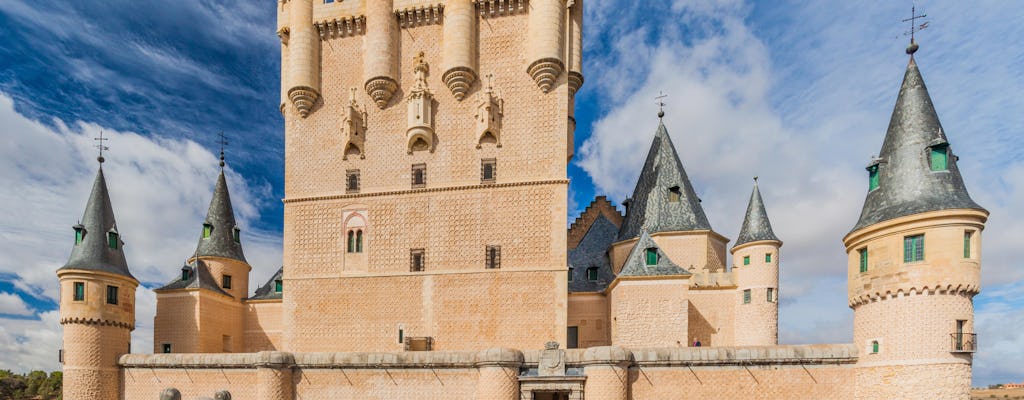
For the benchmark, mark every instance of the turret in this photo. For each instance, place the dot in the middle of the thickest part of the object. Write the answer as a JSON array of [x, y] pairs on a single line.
[[303, 47], [460, 51], [755, 258], [546, 42], [914, 260], [380, 58], [97, 302]]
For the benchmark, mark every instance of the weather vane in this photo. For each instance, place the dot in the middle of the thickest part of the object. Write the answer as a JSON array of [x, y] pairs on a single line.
[[661, 103], [223, 142], [100, 146], [914, 27]]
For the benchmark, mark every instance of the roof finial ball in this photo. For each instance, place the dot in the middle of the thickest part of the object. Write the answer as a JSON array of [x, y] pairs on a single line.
[[661, 104], [223, 142], [101, 147], [912, 48], [755, 179]]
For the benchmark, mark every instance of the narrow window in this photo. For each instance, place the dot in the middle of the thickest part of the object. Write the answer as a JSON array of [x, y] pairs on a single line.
[[863, 259], [873, 177], [328, 1], [674, 194], [958, 338], [207, 230], [184, 273], [167, 348], [419, 175], [488, 170], [111, 294], [771, 295], [652, 256], [493, 257], [351, 242], [236, 235], [746, 260], [874, 347], [592, 274], [768, 257], [112, 240], [79, 291], [967, 244], [401, 335], [570, 274], [278, 286], [352, 181], [913, 248], [416, 260], [79, 235], [746, 296], [225, 281], [939, 155], [359, 241], [226, 343], [572, 337]]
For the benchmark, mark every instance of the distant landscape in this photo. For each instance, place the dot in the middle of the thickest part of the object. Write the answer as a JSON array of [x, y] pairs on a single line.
[[995, 392], [35, 385]]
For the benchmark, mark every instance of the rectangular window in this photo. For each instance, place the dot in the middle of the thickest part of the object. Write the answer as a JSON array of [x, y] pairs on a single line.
[[572, 337], [236, 235], [493, 257], [746, 260], [167, 348], [207, 230], [863, 259], [417, 259], [872, 177], [771, 295], [488, 170], [111, 294], [874, 346], [419, 176], [278, 286], [674, 194], [570, 274], [79, 291], [225, 281], [939, 155], [746, 296], [913, 248], [967, 244], [352, 181], [592, 274], [652, 256], [79, 236], [112, 240], [768, 257]]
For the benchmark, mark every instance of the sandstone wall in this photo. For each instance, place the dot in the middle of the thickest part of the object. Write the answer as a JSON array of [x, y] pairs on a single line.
[[711, 316], [589, 313], [263, 325]]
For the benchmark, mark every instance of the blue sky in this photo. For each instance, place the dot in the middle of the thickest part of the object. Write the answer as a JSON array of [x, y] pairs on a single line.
[[798, 93]]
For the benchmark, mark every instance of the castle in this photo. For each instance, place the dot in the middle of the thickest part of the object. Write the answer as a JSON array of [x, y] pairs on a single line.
[[426, 253]]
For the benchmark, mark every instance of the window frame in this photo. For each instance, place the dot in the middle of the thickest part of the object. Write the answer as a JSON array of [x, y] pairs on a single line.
[[359, 240], [422, 169], [768, 258], [938, 157], [873, 182], [493, 164], [746, 260], [78, 291], [746, 296], [79, 236], [770, 295], [651, 257], [113, 240], [225, 281], [166, 348], [968, 236], [207, 230], [675, 195], [492, 257], [863, 255], [236, 234], [592, 275], [417, 260], [352, 181], [278, 286], [913, 248], [112, 295]]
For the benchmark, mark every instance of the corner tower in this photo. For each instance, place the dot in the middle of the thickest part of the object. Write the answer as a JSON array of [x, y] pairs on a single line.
[[755, 258], [97, 302], [914, 260]]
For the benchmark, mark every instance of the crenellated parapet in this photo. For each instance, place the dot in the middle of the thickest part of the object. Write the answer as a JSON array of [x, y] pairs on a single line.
[[420, 15], [341, 27], [498, 8]]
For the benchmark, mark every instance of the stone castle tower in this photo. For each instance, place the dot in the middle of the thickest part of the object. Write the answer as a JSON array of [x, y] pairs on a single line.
[[914, 260], [97, 302], [426, 152]]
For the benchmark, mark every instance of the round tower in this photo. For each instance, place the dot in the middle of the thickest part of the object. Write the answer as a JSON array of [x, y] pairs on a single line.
[[755, 258], [914, 260], [459, 46], [97, 303], [546, 42], [303, 57], [381, 56]]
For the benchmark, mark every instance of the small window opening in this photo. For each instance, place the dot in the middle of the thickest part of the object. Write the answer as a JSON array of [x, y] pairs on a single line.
[[939, 157], [967, 243], [112, 240], [592, 274], [79, 235], [417, 260], [771, 295], [236, 235], [352, 181], [167, 348], [278, 286], [863, 259], [488, 170], [767, 257], [570, 274], [79, 291], [874, 347], [674, 194], [873, 177], [913, 248], [207, 230], [112, 295], [351, 242], [419, 176], [493, 257], [225, 281], [652, 256], [359, 241], [401, 335], [746, 296], [572, 337], [746, 260], [185, 273]]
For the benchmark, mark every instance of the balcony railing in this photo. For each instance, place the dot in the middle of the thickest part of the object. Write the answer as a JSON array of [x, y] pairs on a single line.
[[963, 342]]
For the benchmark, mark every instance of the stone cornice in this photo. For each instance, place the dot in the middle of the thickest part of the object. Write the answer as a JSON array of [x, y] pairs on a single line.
[[341, 27], [425, 190], [97, 321], [958, 289], [499, 8], [420, 15]]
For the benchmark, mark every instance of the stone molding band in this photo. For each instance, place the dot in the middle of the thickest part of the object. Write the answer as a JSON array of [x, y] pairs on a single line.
[[946, 289], [426, 190], [96, 321]]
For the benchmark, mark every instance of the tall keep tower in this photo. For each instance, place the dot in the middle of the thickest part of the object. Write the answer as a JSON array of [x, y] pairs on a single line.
[[425, 188], [97, 302], [914, 260]]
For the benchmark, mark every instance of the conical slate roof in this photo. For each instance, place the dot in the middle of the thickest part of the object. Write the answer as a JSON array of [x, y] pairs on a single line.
[[94, 253], [221, 217], [592, 253], [267, 291], [651, 208], [906, 183], [636, 262], [756, 226]]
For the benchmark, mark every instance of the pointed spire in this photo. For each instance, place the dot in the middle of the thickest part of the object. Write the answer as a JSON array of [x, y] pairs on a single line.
[[756, 226], [98, 245], [220, 236], [639, 262], [906, 182], [663, 199]]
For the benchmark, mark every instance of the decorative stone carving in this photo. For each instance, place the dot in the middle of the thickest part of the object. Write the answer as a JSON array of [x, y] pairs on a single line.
[[170, 394], [381, 89], [303, 97], [575, 82], [545, 71], [552, 361], [420, 134], [353, 128], [340, 27], [489, 111], [458, 80], [419, 16]]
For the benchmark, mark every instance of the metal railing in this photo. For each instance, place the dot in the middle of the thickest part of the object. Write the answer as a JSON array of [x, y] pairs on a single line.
[[963, 342]]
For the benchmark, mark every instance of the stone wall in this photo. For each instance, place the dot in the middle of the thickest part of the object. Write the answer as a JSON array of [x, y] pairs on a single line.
[[263, 324], [588, 312], [711, 316]]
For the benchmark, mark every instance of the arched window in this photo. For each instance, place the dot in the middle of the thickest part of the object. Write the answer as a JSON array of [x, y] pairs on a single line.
[[351, 242], [359, 241]]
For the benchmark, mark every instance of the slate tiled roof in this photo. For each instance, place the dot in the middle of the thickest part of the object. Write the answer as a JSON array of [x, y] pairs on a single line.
[[650, 208], [94, 252], [199, 278], [266, 292], [906, 183], [591, 252], [221, 216], [756, 226], [636, 262]]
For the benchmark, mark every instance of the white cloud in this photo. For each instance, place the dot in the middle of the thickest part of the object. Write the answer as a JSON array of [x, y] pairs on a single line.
[[12, 304], [160, 189], [29, 345]]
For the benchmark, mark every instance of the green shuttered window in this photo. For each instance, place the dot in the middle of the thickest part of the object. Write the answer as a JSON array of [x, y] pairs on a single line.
[[939, 156], [111, 294], [872, 177], [746, 260], [967, 244], [79, 235], [913, 248], [652, 256], [863, 259], [207, 230], [79, 291], [746, 296], [278, 286], [767, 257], [112, 240]]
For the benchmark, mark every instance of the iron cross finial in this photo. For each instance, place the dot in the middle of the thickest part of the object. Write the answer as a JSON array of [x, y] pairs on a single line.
[[661, 103], [99, 145], [223, 141], [914, 27]]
